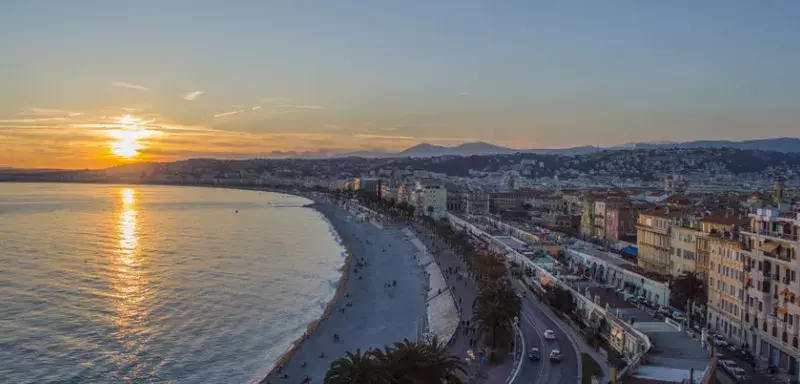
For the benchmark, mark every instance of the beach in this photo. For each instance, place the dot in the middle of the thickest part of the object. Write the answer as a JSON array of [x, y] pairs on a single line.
[[380, 299]]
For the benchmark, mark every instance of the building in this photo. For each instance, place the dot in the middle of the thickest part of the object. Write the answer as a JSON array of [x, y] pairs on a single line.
[[370, 186], [430, 200], [726, 286], [457, 201], [652, 239], [504, 201], [587, 217], [770, 245], [620, 221], [683, 244], [389, 191], [477, 203]]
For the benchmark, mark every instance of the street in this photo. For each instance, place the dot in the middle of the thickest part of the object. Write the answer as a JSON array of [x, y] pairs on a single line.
[[533, 324]]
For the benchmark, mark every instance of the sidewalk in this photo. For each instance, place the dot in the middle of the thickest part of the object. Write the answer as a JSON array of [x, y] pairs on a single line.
[[456, 274]]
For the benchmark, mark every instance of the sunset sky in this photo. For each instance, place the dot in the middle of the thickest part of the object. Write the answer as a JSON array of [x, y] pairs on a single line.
[[90, 84]]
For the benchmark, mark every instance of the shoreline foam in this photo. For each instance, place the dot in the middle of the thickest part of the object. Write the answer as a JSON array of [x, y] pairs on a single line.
[[341, 286]]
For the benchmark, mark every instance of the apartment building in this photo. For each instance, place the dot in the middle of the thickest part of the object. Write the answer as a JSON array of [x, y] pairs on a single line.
[[620, 223], [430, 200], [683, 242], [770, 247], [652, 239], [587, 216], [726, 277]]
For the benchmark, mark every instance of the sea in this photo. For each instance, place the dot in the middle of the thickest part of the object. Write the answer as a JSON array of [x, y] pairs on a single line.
[[156, 284]]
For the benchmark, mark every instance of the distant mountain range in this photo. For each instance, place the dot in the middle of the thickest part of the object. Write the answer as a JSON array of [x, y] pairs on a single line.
[[784, 144]]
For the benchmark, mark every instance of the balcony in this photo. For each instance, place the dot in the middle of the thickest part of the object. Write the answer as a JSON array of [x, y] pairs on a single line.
[[772, 234], [763, 276]]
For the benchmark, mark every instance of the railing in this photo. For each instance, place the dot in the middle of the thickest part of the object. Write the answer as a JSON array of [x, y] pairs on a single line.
[[777, 235]]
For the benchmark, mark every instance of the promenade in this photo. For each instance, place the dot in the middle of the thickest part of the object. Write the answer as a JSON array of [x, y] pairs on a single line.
[[369, 314], [464, 290]]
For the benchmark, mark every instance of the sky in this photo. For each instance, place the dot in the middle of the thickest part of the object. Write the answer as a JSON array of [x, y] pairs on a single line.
[[92, 84]]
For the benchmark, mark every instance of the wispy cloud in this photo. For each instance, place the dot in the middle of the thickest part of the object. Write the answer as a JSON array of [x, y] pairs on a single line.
[[35, 111], [388, 137], [191, 95], [301, 106], [257, 107], [227, 113], [34, 120], [123, 84]]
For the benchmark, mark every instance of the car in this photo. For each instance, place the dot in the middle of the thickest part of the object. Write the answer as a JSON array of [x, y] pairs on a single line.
[[555, 355], [535, 354], [549, 334]]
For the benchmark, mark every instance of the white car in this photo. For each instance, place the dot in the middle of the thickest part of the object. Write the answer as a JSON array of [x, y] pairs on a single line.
[[549, 334]]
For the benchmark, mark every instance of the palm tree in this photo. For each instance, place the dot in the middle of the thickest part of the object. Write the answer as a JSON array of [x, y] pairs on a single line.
[[423, 362], [497, 305], [357, 368]]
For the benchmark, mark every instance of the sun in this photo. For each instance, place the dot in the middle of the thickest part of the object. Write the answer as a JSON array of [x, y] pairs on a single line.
[[128, 136]]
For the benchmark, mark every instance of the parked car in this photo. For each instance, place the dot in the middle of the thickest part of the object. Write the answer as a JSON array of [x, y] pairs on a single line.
[[535, 354], [549, 334], [730, 367], [555, 355]]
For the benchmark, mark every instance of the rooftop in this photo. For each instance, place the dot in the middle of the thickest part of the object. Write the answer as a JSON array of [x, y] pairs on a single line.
[[726, 219]]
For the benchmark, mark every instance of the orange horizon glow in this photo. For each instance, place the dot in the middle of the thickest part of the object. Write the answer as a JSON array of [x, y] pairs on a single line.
[[129, 136]]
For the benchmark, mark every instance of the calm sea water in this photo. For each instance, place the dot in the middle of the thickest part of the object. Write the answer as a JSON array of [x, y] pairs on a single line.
[[113, 283]]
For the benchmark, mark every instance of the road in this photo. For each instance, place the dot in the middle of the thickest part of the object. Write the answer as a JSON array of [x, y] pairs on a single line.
[[533, 324]]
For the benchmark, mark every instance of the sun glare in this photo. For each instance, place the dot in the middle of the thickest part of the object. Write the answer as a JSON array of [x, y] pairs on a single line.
[[128, 136]]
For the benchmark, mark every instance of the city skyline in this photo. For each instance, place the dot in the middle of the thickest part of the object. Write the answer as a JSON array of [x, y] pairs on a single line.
[[91, 85]]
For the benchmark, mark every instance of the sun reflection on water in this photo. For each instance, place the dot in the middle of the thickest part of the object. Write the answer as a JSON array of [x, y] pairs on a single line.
[[129, 284]]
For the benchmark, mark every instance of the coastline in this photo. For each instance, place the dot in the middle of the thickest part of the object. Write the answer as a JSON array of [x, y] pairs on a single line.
[[378, 317], [341, 286]]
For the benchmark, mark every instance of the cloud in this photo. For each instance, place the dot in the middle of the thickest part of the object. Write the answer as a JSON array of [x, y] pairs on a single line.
[[191, 95], [464, 94], [228, 113], [302, 106], [35, 111], [123, 84], [257, 107], [34, 120], [388, 137]]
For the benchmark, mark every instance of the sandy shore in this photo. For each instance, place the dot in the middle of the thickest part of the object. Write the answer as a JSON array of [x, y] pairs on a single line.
[[364, 312]]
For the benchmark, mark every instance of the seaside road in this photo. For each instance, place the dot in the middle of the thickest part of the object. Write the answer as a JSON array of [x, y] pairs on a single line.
[[464, 290], [378, 316], [533, 324]]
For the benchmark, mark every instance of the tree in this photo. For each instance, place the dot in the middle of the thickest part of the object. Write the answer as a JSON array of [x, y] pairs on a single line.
[[421, 362], [497, 305], [357, 368], [405, 362], [560, 299], [688, 289]]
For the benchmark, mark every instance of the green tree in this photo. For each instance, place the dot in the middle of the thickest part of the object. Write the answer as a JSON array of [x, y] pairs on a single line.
[[497, 305], [688, 289], [357, 368]]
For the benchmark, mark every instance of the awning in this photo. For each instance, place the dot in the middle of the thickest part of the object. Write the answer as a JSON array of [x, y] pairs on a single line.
[[769, 246], [631, 250]]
